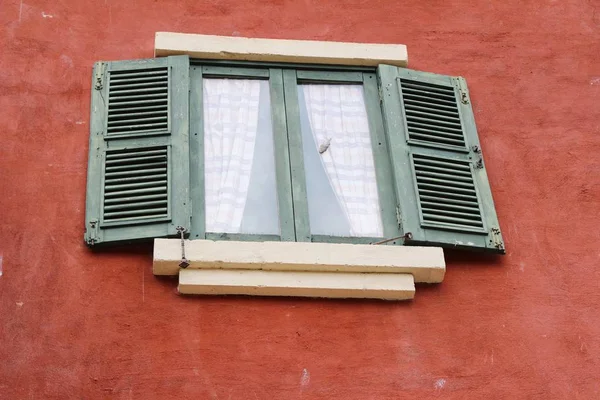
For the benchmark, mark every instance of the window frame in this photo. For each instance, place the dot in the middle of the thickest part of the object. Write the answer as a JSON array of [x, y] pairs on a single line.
[[287, 135]]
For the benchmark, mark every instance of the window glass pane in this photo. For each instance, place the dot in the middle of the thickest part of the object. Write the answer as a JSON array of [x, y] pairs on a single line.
[[338, 160], [240, 187]]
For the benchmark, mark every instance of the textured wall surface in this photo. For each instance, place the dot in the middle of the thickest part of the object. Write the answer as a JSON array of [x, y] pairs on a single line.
[[75, 324]]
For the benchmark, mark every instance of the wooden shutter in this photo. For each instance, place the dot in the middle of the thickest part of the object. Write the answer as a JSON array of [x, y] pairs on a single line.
[[441, 185], [138, 171]]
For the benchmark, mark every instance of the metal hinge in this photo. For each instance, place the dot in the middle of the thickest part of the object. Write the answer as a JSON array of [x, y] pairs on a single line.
[[497, 238], [462, 88], [99, 75], [92, 233], [477, 150]]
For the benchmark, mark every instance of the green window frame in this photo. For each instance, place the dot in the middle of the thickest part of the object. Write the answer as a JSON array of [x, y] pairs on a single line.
[[430, 175]]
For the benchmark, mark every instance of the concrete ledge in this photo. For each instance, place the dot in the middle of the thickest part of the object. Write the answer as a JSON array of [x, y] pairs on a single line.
[[303, 284], [279, 50], [426, 264]]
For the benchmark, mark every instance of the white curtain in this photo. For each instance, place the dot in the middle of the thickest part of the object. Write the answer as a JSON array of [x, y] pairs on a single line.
[[230, 127], [339, 124]]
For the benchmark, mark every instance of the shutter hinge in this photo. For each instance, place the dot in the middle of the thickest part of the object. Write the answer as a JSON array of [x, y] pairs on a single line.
[[99, 75], [399, 217], [477, 150], [497, 238], [92, 233], [464, 91]]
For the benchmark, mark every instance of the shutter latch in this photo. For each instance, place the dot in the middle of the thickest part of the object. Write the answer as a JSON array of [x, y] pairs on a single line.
[[464, 91], [497, 238], [184, 261], [99, 75]]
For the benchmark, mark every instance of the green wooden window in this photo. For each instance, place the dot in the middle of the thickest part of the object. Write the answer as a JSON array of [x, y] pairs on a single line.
[[151, 161]]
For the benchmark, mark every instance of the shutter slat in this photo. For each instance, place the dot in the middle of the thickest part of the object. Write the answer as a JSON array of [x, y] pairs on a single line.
[[135, 153], [439, 203], [457, 221], [433, 88], [436, 115], [119, 75], [118, 97], [140, 127], [431, 94], [147, 102], [428, 195], [449, 165], [432, 127], [135, 166], [139, 204], [438, 175], [115, 112], [147, 213], [135, 83], [430, 100], [136, 198], [135, 172], [441, 195], [119, 116], [452, 182], [436, 139], [133, 179]]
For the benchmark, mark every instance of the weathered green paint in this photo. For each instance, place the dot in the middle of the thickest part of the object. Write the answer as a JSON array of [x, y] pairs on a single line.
[[401, 148], [98, 232], [329, 77], [197, 230], [282, 156], [383, 173], [296, 66], [294, 131], [234, 72], [349, 239], [242, 237]]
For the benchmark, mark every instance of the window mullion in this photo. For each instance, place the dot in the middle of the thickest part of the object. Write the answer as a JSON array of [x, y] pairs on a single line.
[[292, 112], [282, 155]]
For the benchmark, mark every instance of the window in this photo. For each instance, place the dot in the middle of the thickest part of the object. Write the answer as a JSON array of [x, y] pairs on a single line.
[[251, 151]]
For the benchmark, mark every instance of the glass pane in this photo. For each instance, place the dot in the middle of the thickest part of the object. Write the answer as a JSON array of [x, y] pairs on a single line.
[[240, 187], [338, 161]]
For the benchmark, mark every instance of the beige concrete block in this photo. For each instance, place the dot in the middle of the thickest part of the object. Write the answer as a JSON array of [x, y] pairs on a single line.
[[279, 50], [302, 284], [426, 264]]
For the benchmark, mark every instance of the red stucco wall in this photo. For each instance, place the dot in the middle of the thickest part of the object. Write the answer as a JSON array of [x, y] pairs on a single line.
[[79, 325]]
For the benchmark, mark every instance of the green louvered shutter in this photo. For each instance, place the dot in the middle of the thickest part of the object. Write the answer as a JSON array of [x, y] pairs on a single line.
[[138, 171], [442, 188]]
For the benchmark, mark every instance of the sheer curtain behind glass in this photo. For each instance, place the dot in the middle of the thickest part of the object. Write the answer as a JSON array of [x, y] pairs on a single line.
[[240, 188], [341, 186]]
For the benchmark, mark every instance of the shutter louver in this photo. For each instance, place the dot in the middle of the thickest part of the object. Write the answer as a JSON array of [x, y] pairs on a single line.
[[441, 185], [432, 114], [135, 184], [138, 172], [138, 102]]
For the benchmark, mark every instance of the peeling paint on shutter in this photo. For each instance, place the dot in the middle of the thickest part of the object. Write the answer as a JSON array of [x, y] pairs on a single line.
[[138, 171], [441, 184]]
